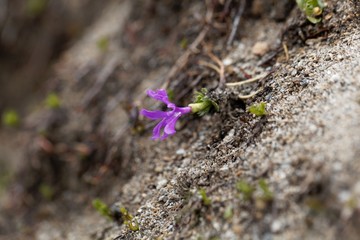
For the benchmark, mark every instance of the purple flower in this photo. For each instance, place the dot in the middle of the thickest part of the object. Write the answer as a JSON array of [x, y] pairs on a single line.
[[167, 119]]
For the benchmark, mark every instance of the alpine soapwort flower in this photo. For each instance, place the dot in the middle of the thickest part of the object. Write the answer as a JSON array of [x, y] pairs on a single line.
[[167, 119]]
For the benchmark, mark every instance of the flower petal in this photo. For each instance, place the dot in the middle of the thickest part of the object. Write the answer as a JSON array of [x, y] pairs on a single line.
[[183, 110], [170, 125], [157, 129], [153, 114], [159, 95]]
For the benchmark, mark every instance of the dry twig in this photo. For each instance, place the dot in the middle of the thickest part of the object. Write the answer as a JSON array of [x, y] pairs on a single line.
[[236, 22]]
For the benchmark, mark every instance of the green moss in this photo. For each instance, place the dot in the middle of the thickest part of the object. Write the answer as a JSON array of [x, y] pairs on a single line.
[[129, 220], [184, 43], [102, 208], [206, 201], [245, 189], [36, 7], [258, 109], [103, 43], [52, 101], [10, 118], [267, 195], [46, 191]]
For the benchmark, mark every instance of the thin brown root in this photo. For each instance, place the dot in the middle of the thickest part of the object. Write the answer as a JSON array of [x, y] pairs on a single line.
[[250, 95], [209, 65], [287, 57], [251, 80]]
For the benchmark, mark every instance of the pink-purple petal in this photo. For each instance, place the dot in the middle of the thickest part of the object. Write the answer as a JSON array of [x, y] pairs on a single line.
[[157, 129], [153, 114], [168, 119], [159, 95], [170, 125]]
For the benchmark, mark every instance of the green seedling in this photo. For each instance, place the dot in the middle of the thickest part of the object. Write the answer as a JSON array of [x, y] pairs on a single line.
[[202, 103], [245, 189], [206, 201], [102, 208], [103, 44], [312, 9], [258, 109], [10, 118], [267, 195], [52, 101], [129, 220]]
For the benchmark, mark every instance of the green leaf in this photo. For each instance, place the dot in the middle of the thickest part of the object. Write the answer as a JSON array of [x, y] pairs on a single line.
[[258, 109], [202, 103], [312, 9]]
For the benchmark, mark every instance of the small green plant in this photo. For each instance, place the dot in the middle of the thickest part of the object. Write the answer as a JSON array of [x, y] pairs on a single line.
[[267, 195], [102, 208], [129, 220], [35, 7], [184, 43], [245, 189], [52, 101], [202, 103], [103, 43], [228, 214], [312, 9], [206, 201], [258, 109], [46, 191], [10, 118]]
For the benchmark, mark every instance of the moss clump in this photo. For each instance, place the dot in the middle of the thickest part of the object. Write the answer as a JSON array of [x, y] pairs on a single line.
[[245, 189], [267, 195], [102, 208], [129, 220], [11, 118], [36, 7], [258, 109], [46, 191], [206, 201], [52, 101], [103, 43]]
